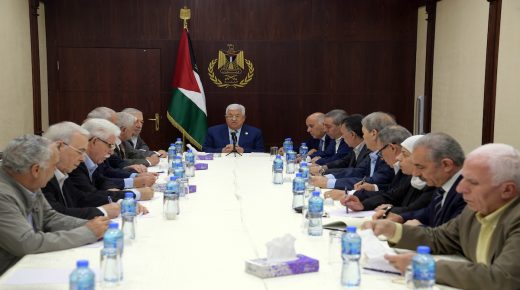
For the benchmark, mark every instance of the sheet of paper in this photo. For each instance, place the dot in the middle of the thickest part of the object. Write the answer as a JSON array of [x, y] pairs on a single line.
[[374, 250], [340, 211]]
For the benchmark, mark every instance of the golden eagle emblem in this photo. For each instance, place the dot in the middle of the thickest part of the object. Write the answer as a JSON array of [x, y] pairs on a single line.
[[231, 65]]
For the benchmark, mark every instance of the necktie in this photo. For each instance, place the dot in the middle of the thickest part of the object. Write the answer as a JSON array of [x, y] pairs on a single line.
[[437, 201], [122, 151], [322, 142], [373, 161]]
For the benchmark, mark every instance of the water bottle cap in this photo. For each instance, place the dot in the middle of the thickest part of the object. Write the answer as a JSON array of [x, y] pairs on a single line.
[[304, 144], [287, 139], [178, 139], [299, 174], [278, 156], [82, 263], [177, 157], [189, 151], [129, 195], [423, 250], [173, 178], [351, 229], [303, 164], [315, 193], [113, 225], [172, 144]]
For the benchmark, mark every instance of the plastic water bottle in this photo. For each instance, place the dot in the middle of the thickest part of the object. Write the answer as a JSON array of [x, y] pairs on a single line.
[[303, 151], [278, 170], [128, 213], [291, 161], [315, 213], [82, 278], [286, 144], [298, 189], [113, 238], [178, 170], [171, 153], [178, 146], [171, 199], [350, 253], [190, 164], [423, 269], [304, 170]]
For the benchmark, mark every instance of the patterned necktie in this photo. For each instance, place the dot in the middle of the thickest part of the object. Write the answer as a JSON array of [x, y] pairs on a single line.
[[322, 142], [437, 201]]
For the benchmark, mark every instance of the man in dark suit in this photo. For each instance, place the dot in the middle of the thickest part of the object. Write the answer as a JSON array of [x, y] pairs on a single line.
[[438, 159], [319, 140], [220, 138], [72, 142], [337, 148]]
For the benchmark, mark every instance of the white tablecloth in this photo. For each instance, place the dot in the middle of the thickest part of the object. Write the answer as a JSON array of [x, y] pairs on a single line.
[[234, 212]]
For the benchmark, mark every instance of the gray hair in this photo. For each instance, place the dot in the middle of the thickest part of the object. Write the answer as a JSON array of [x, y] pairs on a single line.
[[25, 151], [101, 113], [440, 146], [101, 128], [131, 111], [503, 161], [394, 134], [64, 131], [377, 121], [337, 116], [125, 120], [239, 107]]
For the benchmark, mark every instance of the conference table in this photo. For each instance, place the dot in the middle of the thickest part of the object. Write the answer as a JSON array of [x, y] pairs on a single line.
[[234, 212]]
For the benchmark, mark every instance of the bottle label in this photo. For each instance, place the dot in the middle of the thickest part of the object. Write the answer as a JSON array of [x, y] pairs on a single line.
[[298, 186], [315, 206], [278, 165]]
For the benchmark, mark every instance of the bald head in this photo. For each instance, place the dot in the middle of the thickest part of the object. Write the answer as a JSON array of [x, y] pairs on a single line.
[[314, 124]]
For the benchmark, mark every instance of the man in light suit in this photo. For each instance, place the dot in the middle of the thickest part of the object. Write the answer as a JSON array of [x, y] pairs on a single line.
[[487, 232], [220, 137], [28, 224], [136, 141]]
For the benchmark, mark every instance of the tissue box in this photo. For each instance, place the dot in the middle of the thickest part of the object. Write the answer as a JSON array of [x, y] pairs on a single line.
[[201, 166], [205, 157], [193, 188], [265, 269]]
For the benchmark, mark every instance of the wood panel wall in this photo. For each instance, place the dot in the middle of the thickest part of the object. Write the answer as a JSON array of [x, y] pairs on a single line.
[[308, 55]]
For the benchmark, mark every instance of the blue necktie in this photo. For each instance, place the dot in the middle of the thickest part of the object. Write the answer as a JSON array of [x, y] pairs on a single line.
[[437, 201], [322, 142], [373, 161]]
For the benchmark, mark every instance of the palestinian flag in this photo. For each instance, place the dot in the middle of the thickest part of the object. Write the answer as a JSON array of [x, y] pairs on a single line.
[[187, 109]]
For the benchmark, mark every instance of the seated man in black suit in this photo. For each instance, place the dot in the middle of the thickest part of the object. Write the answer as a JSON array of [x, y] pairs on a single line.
[[101, 144], [337, 147], [72, 141], [438, 159], [373, 169], [136, 141], [319, 140], [220, 137]]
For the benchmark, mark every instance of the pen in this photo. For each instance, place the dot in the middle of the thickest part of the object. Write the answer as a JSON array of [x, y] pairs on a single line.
[[346, 195], [110, 199], [362, 180], [387, 211]]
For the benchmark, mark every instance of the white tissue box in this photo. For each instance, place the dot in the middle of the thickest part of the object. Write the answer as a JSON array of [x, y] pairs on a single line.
[[265, 269]]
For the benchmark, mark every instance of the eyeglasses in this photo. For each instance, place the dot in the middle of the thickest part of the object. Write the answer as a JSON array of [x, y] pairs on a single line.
[[79, 151], [110, 145], [380, 152], [233, 117]]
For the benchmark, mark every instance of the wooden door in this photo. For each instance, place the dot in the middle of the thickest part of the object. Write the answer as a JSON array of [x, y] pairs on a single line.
[[117, 78]]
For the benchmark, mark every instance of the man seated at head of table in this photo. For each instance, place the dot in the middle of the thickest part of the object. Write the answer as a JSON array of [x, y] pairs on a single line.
[[62, 195], [89, 176], [487, 232], [353, 136], [391, 138], [337, 147], [136, 142], [414, 194], [437, 159], [219, 138], [28, 224], [373, 170]]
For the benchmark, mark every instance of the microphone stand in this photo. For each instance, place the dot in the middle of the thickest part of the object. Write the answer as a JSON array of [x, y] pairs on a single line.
[[234, 139]]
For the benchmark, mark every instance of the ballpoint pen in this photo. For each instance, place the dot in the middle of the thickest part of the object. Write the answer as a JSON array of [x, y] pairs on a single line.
[[387, 211], [362, 180], [110, 199], [346, 195]]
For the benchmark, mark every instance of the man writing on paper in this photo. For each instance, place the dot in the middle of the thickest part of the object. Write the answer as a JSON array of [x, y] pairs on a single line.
[[487, 232], [220, 138]]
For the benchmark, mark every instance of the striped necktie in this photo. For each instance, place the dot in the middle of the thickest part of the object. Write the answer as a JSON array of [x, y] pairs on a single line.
[[437, 201]]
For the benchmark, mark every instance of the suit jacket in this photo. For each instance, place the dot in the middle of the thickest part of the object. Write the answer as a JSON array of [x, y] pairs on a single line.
[[452, 207], [69, 200], [404, 197], [107, 177], [331, 154], [400, 180], [460, 236], [317, 144], [50, 230], [218, 137], [339, 165], [382, 176], [80, 178], [130, 157], [141, 145]]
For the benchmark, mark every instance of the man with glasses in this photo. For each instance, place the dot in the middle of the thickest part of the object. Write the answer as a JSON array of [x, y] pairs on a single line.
[[220, 138], [62, 195]]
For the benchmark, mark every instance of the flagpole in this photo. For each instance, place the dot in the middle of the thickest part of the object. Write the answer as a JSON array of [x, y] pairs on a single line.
[[184, 15]]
